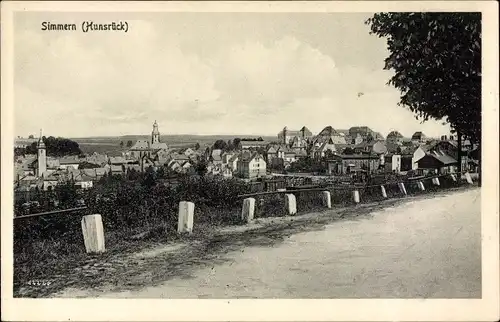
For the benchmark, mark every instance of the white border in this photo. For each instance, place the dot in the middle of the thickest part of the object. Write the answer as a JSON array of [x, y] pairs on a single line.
[[485, 309]]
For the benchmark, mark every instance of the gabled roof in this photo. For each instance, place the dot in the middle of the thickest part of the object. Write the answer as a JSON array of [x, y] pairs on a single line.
[[158, 146], [140, 145], [418, 136], [301, 153], [442, 157], [117, 160], [394, 134], [306, 131], [362, 130], [69, 160], [116, 168], [328, 131], [234, 157], [272, 149]]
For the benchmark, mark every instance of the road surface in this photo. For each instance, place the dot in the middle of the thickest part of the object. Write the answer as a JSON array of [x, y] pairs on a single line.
[[428, 248]]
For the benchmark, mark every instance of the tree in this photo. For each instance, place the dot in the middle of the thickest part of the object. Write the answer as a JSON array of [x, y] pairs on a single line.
[[369, 138], [220, 144], [201, 168], [31, 136], [436, 58], [236, 143], [121, 144], [197, 146], [129, 143]]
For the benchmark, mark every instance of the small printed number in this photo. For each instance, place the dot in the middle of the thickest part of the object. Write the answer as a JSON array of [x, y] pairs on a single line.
[[39, 283]]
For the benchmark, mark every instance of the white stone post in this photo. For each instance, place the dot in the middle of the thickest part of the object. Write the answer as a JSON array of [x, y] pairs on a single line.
[[435, 181], [468, 178], [93, 234], [327, 199], [421, 186], [384, 193], [402, 188], [355, 196], [248, 210], [453, 177], [186, 217], [290, 204]]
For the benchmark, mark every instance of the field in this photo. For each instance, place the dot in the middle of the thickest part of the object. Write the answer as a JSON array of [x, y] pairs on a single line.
[[111, 145]]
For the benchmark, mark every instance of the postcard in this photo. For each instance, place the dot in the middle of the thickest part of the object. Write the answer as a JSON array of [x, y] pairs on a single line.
[[250, 161]]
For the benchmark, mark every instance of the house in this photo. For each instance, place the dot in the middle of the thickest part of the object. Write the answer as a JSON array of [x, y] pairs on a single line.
[[395, 137], [116, 169], [117, 160], [249, 144], [299, 143], [327, 148], [272, 153], [377, 147], [330, 134], [448, 147], [392, 162], [286, 154], [187, 152], [227, 173], [216, 157], [233, 163], [286, 136], [345, 164], [186, 167], [96, 158], [418, 137], [251, 166], [438, 161], [174, 165], [83, 181], [68, 162], [364, 133], [226, 156], [300, 154]]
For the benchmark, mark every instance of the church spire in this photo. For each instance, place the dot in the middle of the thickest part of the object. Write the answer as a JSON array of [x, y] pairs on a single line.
[[41, 145], [155, 135]]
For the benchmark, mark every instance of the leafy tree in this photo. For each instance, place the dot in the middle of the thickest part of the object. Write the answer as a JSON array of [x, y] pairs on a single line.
[[31, 136], [121, 144], [236, 143], [129, 143], [436, 58], [56, 147], [149, 178], [197, 146], [201, 168], [220, 144]]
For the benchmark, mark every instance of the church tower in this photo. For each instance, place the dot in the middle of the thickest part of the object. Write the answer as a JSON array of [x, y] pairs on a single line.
[[155, 136], [42, 156]]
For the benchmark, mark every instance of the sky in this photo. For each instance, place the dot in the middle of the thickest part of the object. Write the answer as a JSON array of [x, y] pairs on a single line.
[[204, 73]]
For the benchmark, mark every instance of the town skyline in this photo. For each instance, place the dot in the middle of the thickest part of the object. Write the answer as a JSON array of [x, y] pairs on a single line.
[[240, 135]]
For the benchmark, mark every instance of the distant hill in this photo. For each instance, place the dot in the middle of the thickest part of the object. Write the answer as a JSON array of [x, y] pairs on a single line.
[[111, 144]]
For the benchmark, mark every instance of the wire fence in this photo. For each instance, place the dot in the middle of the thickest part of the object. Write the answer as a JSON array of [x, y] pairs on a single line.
[[352, 186]]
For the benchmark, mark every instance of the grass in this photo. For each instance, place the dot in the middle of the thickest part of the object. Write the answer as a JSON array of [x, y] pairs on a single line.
[[126, 266]]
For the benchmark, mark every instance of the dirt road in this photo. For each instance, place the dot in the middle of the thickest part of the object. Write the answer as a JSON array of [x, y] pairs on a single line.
[[428, 248]]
